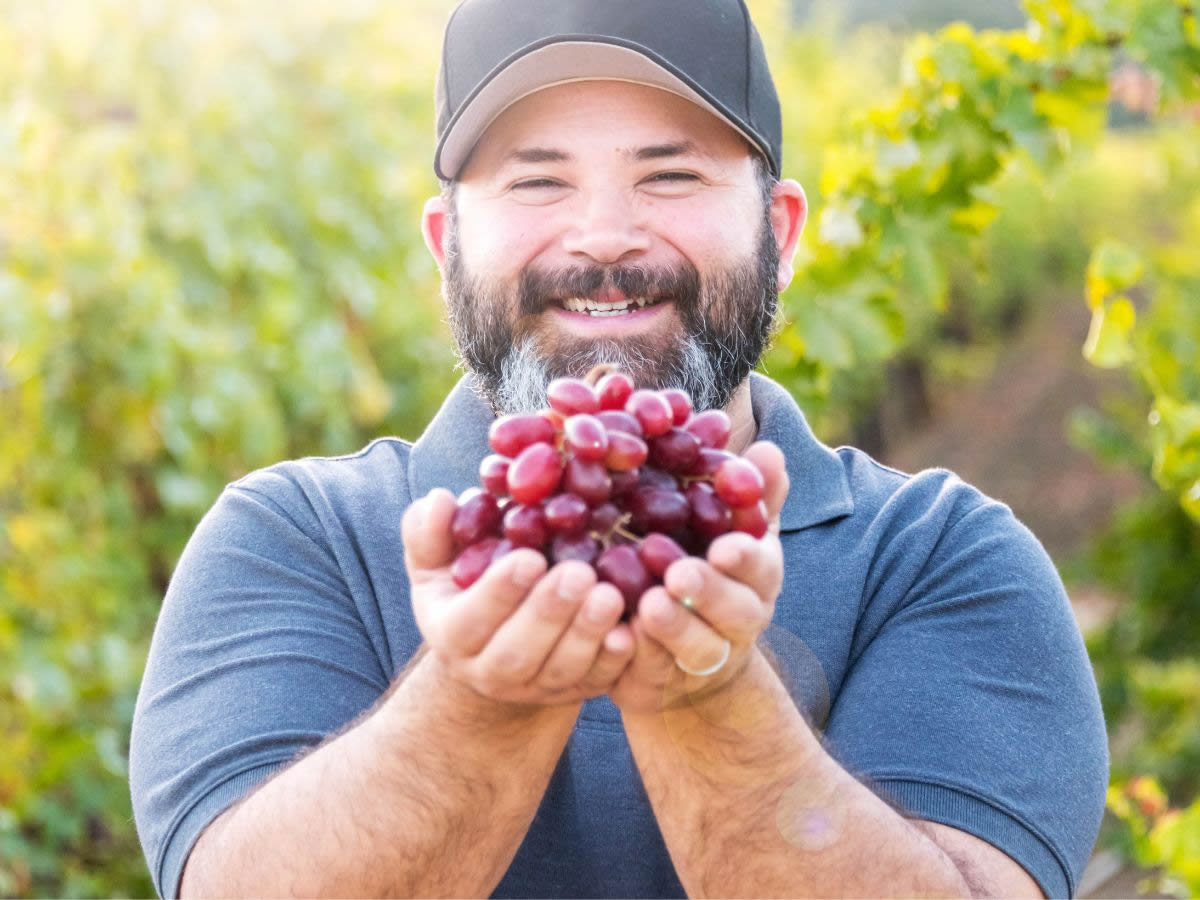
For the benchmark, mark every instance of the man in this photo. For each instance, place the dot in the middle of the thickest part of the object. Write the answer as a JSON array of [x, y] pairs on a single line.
[[887, 695]]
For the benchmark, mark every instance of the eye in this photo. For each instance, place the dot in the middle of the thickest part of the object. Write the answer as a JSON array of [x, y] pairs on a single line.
[[536, 183], [673, 177]]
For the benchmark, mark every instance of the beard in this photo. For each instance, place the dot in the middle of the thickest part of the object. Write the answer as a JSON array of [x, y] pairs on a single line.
[[507, 341]]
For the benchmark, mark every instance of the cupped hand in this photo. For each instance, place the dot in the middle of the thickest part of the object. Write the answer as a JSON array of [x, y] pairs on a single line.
[[520, 634], [728, 596]]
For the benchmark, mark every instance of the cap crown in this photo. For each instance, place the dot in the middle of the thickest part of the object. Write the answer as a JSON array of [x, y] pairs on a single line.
[[710, 45]]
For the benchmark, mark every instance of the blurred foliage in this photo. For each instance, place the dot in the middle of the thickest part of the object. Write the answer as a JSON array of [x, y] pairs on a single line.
[[1161, 837], [210, 261], [209, 227]]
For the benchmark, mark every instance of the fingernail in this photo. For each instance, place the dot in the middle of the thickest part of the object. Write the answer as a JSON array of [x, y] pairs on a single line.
[[527, 570], [688, 582], [596, 612], [573, 582]]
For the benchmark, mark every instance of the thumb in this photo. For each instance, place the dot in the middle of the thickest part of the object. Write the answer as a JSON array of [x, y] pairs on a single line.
[[426, 531]]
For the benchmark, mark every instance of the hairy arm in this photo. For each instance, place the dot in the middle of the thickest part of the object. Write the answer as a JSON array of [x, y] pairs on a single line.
[[410, 801], [751, 805]]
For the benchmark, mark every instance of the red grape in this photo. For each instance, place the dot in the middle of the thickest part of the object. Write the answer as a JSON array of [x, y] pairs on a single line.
[[625, 452], [554, 417], [571, 396], [567, 514], [526, 526], [656, 478], [589, 480], [711, 516], [751, 519], [618, 420], [738, 482], [476, 517], [493, 474], [586, 437], [653, 413], [708, 462], [471, 563], [582, 547], [623, 484], [712, 428], [535, 474], [658, 510], [680, 403], [658, 552], [622, 568], [675, 451], [613, 390], [512, 434], [604, 518]]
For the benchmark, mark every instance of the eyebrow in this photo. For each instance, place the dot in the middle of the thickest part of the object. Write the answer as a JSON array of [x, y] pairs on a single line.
[[534, 155], [537, 155], [664, 151]]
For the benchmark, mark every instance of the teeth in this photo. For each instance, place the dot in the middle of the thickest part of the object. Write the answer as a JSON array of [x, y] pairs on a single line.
[[578, 304]]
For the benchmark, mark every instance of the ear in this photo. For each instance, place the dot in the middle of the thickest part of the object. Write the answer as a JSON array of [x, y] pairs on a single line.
[[433, 228], [789, 212]]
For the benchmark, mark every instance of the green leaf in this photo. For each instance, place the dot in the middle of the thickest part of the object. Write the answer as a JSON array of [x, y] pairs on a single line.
[[1108, 345], [1114, 268]]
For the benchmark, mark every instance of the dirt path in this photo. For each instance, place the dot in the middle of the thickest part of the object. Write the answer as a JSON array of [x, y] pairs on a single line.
[[1006, 434]]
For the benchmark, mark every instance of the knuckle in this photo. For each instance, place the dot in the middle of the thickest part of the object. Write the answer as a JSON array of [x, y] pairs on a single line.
[[507, 666], [552, 606]]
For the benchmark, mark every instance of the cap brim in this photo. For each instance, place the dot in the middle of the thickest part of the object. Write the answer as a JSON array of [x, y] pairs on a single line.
[[561, 62]]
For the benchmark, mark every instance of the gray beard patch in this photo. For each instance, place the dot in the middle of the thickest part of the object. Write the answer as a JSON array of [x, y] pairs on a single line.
[[525, 375]]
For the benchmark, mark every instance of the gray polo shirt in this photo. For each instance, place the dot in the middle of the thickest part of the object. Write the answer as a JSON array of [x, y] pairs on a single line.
[[922, 629]]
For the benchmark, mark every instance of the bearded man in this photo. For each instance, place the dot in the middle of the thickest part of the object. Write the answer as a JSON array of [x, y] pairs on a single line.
[[886, 695]]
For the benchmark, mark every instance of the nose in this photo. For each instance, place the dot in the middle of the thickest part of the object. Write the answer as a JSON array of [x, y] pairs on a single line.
[[608, 230]]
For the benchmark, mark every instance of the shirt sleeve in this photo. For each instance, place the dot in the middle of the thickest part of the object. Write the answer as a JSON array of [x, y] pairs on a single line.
[[972, 701], [258, 654]]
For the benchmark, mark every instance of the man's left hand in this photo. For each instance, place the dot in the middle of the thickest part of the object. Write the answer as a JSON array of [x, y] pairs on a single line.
[[729, 596]]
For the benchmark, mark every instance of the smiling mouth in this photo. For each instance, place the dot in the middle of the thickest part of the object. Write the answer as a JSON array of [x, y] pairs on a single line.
[[599, 310]]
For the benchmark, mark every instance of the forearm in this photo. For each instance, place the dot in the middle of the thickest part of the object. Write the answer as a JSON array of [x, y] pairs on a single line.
[[750, 804], [412, 801]]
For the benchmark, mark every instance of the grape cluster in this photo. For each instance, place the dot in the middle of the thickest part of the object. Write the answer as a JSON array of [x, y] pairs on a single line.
[[625, 480]]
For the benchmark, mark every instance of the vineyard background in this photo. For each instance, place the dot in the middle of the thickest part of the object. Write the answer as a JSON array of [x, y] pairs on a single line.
[[210, 261]]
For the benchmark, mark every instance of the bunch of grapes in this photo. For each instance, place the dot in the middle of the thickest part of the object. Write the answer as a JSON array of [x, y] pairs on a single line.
[[625, 480]]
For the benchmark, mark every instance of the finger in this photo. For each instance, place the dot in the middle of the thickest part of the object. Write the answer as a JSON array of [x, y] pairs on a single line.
[[468, 620], [758, 564], [425, 530], [731, 608], [616, 653], [576, 651], [686, 637], [651, 660], [770, 461], [521, 645]]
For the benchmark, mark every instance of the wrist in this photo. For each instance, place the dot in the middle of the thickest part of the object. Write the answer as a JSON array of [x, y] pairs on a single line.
[[462, 707]]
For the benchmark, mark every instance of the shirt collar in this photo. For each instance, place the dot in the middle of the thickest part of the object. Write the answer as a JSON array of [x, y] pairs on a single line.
[[450, 450], [819, 490]]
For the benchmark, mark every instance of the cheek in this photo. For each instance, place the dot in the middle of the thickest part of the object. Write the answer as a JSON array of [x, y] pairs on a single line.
[[503, 242], [705, 229]]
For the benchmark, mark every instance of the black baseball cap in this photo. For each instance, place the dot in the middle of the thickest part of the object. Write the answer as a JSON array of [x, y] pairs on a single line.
[[498, 51]]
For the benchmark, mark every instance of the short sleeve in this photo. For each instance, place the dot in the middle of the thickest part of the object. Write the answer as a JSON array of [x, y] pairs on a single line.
[[258, 654], [972, 701]]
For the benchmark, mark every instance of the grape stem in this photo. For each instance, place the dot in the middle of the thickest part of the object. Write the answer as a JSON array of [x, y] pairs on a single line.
[[605, 538], [598, 372]]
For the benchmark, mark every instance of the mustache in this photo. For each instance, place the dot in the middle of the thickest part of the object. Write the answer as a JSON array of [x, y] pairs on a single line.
[[538, 289]]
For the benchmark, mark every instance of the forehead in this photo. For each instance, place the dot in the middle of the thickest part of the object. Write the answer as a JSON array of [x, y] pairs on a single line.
[[587, 118]]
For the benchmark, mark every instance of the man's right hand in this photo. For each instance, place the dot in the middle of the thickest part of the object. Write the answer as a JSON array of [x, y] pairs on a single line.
[[519, 634]]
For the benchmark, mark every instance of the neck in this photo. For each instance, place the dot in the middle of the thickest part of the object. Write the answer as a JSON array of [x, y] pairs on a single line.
[[741, 416]]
